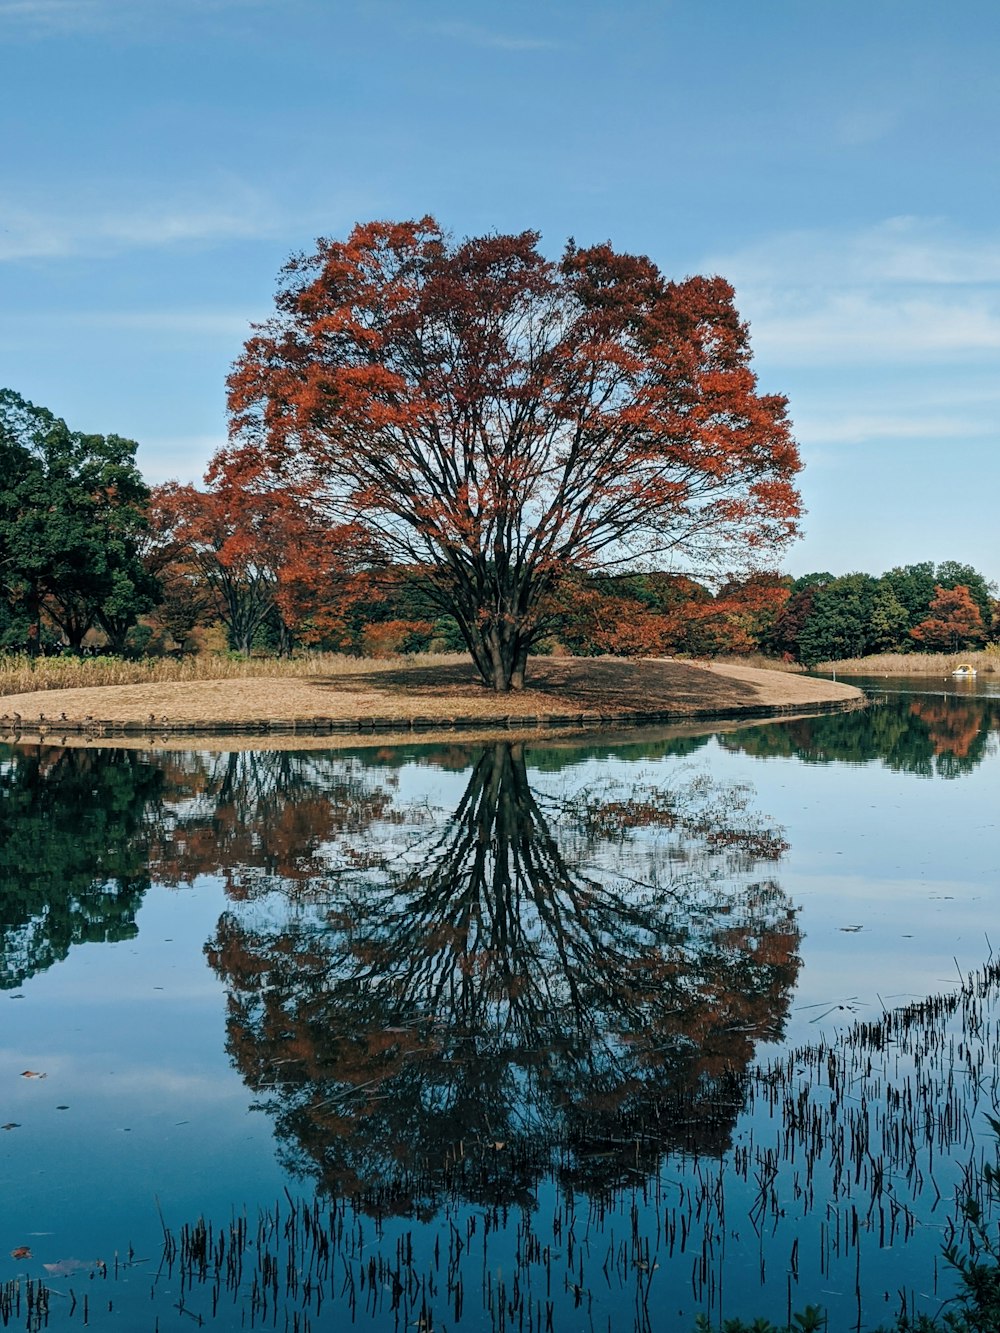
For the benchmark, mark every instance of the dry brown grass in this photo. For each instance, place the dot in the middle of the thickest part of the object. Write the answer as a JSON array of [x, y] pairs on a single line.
[[915, 664], [760, 663], [18, 675], [422, 689]]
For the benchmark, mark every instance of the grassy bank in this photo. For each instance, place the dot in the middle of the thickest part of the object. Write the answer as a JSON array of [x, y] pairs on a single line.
[[915, 664], [18, 675]]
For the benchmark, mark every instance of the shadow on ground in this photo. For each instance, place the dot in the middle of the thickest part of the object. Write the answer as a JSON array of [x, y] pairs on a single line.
[[594, 684]]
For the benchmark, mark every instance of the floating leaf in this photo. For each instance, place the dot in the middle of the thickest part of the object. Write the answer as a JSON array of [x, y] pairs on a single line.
[[21, 1252]]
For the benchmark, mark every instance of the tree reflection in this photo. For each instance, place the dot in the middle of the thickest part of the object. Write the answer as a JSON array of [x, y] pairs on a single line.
[[72, 852], [927, 735], [537, 982], [262, 820]]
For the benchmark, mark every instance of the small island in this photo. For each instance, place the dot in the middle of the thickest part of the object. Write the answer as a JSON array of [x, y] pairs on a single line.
[[348, 696]]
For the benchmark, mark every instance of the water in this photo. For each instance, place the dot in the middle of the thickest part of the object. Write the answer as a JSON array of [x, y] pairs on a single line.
[[500, 1036]]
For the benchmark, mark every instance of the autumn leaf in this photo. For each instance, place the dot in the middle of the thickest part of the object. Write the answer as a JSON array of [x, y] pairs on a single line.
[[21, 1252]]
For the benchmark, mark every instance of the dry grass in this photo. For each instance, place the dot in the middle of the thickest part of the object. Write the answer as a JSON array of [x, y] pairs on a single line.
[[18, 675], [761, 663], [916, 664], [444, 688]]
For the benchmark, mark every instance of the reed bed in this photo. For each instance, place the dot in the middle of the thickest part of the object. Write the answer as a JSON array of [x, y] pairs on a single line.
[[21, 675], [844, 1156], [986, 660], [855, 1145]]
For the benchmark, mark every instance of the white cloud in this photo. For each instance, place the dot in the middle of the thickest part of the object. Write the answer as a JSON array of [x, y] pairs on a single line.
[[50, 16], [853, 327], [497, 41], [866, 125], [52, 233], [141, 19], [907, 289], [897, 250], [851, 427]]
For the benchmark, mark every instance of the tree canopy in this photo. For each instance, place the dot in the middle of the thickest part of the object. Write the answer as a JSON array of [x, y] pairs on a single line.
[[500, 419], [71, 527]]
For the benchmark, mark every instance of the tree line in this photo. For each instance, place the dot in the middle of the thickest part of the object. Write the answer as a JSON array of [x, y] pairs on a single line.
[[90, 554]]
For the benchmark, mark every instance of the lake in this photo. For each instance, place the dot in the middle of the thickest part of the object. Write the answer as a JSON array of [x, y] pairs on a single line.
[[552, 1035]]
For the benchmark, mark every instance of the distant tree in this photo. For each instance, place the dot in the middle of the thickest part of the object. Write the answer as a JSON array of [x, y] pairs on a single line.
[[913, 586], [955, 621], [741, 615], [916, 585], [952, 573], [199, 527], [261, 558], [782, 635], [72, 517], [889, 623], [503, 420], [839, 622]]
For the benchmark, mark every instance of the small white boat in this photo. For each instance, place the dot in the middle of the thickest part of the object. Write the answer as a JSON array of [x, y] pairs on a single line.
[[963, 669]]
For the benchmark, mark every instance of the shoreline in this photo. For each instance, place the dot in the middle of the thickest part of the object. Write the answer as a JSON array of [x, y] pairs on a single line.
[[571, 696]]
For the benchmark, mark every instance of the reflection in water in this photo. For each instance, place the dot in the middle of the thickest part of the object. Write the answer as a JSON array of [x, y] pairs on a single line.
[[263, 820], [928, 735], [532, 982], [73, 870], [531, 997]]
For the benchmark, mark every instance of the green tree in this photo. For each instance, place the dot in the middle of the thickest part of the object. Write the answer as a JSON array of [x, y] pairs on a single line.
[[74, 827], [839, 623], [72, 517], [913, 586], [890, 620]]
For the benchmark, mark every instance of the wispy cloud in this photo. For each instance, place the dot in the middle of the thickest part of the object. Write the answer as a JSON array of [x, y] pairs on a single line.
[[51, 16], [897, 250], [474, 35], [51, 232], [852, 427], [136, 18], [908, 289], [853, 328]]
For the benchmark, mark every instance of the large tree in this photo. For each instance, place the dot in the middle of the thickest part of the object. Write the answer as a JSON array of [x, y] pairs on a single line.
[[501, 419]]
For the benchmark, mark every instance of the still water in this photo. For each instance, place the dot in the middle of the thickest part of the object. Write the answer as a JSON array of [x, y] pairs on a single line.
[[536, 1036]]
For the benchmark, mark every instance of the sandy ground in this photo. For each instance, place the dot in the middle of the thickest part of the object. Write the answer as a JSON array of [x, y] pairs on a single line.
[[557, 687]]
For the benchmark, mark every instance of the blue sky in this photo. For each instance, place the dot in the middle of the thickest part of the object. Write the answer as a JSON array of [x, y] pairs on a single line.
[[837, 160]]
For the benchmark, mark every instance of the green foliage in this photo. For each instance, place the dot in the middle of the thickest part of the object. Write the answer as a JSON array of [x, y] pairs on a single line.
[[73, 859], [840, 619], [71, 526], [828, 619], [809, 1320]]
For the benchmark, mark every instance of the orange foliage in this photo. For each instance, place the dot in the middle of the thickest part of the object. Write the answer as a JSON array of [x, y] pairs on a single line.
[[505, 420], [392, 636], [956, 621]]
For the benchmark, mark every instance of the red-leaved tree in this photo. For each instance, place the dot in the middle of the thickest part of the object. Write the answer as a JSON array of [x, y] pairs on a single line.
[[502, 419], [955, 621]]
